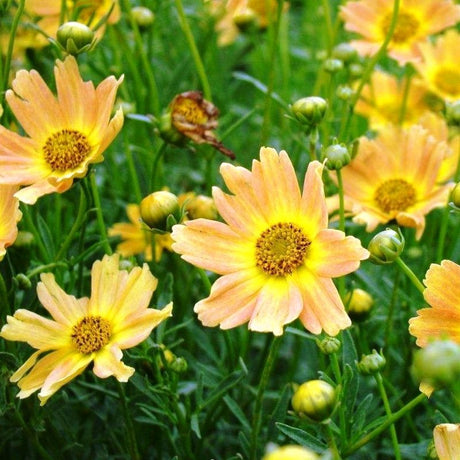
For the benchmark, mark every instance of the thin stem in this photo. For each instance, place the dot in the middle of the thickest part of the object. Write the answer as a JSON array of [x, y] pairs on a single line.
[[154, 185], [442, 232], [328, 24], [257, 414], [44, 254], [194, 50], [332, 443], [389, 421], [338, 378], [131, 433], [100, 217], [410, 274], [133, 174], [386, 405]]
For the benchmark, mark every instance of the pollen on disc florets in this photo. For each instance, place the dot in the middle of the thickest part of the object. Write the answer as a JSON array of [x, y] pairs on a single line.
[[281, 249], [406, 27], [91, 334], [66, 150], [395, 195]]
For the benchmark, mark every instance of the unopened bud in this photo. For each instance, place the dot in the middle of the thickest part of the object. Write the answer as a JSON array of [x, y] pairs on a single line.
[[201, 206], [178, 365], [75, 38], [245, 18], [24, 239], [345, 92], [345, 52], [337, 156], [291, 452], [356, 70], [359, 303], [371, 364], [309, 111], [157, 207], [329, 345], [333, 65], [143, 16], [315, 399], [386, 246], [23, 281]]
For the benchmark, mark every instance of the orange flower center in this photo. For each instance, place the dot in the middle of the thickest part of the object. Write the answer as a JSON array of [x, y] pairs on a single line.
[[91, 334], [192, 111], [395, 195], [281, 249], [66, 149], [448, 81], [406, 27]]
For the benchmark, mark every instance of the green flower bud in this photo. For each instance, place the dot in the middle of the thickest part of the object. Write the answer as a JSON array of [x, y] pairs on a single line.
[[438, 364], [453, 113], [356, 70], [329, 345], [178, 365], [315, 399], [75, 38], [24, 239], [345, 92], [23, 281], [455, 195], [333, 65], [157, 207], [386, 246], [309, 111], [359, 303], [291, 452], [337, 156], [143, 16], [371, 364], [201, 206], [345, 52]]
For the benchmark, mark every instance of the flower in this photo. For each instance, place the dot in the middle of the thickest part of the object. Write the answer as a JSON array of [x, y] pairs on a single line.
[[447, 440], [442, 293], [275, 251], [137, 237], [416, 21], [439, 65], [291, 452], [394, 177], [382, 99], [315, 399], [67, 133], [9, 217], [81, 331]]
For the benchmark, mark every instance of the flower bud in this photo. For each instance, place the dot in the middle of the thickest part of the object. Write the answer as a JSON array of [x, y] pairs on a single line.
[[23, 281], [75, 38], [315, 399], [178, 365], [355, 69], [333, 65], [371, 364], [157, 207], [438, 364], [24, 239], [386, 246], [245, 19], [329, 345], [291, 452], [455, 195], [345, 92], [359, 303], [309, 111], [345, 52], [453, 113], [337, 156], [143, 16], [201, 206]]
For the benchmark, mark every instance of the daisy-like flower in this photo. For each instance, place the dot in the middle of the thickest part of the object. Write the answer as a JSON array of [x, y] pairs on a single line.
[[416, 21], [81, 331], [137, 237], [447, 440], [394, 176], [275, 251], [9, 217], [439, 65], [66, 133], [381, 100], [442, 293]]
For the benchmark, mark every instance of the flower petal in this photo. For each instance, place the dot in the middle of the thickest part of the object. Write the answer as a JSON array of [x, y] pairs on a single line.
[[107, 362]]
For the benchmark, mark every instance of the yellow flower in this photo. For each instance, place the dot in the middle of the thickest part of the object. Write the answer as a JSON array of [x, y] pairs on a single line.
[[439, 65], [275, 252], [137, 238], [442, 293], [447, 440], [394, 177], [81, 331], [291, 452], [416, 21], [381, 100], [9, 217], [67, 133]]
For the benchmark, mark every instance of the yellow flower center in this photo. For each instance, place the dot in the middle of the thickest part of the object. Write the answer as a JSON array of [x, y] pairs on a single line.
[[191, 110], [66, 149], [448, 81], [91, 334], [406, 27], [395, 195], [281, 249]]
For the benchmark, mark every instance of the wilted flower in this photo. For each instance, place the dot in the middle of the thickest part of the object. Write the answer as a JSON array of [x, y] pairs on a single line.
[[114, 318]]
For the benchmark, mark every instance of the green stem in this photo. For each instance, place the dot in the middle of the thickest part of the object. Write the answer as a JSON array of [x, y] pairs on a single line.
[[37, 238], [132, 172], [389, 321], [205, 279], [386, 405], [389, 421], [410, 274], [338, 379], [194, 50], [370, 67], [154, 185], [443, 232], [4, 302], [332, 443], [42, 268], [100, 217], [407, 83], [329, 27], [131, 433], [257, 414]]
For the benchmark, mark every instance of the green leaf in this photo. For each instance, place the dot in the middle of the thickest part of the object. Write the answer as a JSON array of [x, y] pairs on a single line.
[[301, 437], [237, 412]]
